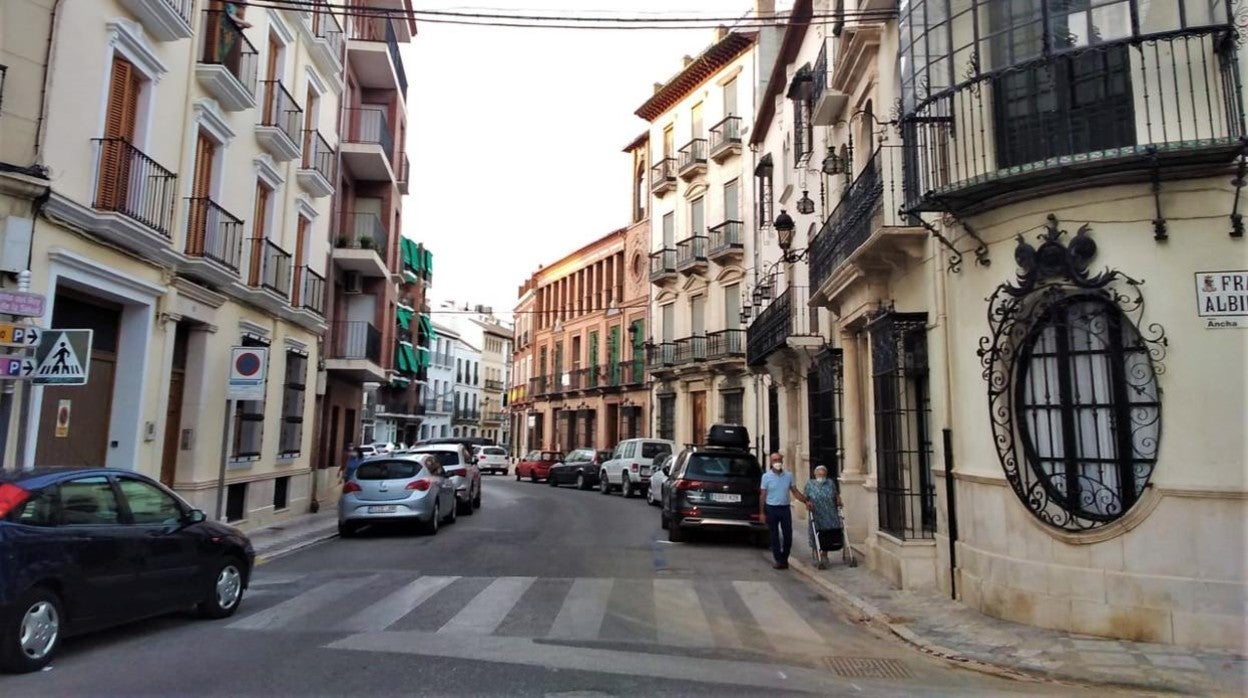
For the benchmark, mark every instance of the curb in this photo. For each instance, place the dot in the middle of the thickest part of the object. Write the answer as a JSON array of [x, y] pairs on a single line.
[[281, 551]]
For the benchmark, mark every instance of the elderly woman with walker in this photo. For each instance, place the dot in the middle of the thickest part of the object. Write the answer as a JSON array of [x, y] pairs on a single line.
[[827, 529]]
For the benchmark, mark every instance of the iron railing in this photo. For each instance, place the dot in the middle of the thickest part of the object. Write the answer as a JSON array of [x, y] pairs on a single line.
[[355, 339], [325, 27], [851, 221], [404, 172], [692, 154], [224, 44], [662, 173], [182, 7], [493, 384], [691, 252], [281, 110], [632, 372], [662, 263], [1173, 98], [725, 238], [661, 354], [819, 74], [318, 154], [364, 231], [213, 233], [132, 184], [311, 290], [689, 350], [369, 125], [725, 134], [725, 344], [787, 316], [537, 386], [273, 270]]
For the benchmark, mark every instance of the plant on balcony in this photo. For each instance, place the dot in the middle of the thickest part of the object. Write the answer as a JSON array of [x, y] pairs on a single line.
[[343, 241], [367, 243]]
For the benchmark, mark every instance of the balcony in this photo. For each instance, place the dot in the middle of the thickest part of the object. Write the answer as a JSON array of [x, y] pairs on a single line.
[[726, 139], [493, 385], [227, 62], [327, 42], [466, 416], [726, 242], [537, 386], [401, 407], [435, 406], [691, 254], [361, 245], [662, 265], [215, 235], [787, 323], [281, 121], [865, 228], [374, 50], [630, 373], [316, 171], [493, 417], [828, 102], [167, 20], [689, 350], [368, 145], [311, 290], [270, 267], [725, 345], [661, 355], [1169, 103], [354, 348], [663, 176], [132, 184], [404, 174], [692, 157]]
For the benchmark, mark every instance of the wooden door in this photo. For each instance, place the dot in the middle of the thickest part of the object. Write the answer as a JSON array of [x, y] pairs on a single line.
[[258, 233], [201, 190], [296, 289], [173, 427], [309, 126], [697, 402], [119, 127]]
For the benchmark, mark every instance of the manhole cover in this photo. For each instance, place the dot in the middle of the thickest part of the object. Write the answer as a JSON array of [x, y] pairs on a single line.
[[867, 668]]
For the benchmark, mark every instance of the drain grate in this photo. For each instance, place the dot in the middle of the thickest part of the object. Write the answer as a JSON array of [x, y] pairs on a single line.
[[867, 668]]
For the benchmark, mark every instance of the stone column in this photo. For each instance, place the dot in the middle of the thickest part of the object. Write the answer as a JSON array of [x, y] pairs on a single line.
[[854, 491]]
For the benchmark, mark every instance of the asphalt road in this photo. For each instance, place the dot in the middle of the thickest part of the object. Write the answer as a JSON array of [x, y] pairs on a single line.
[[542, 592]]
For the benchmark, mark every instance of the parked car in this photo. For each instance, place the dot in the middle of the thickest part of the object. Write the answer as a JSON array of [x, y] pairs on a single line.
[[658, 475], [461, 468], [394, 488], [713, 486], [491, 459], [535, 465], [82, 549], [580, 468], [628, 469]]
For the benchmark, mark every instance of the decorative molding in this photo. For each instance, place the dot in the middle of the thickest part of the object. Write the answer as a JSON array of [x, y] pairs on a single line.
[[197, 293], [696, 190], [91, 268], [267, 170], [304, 205], [315, 81], [284, 34], [128, 37], [297, 347], [208, 115], [249, 327]]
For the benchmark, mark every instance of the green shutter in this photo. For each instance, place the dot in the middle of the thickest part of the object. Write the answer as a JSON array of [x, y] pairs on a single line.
[[559, 364], [428, 262], [426, 328], [613, 355], [593, 359], [639, 351], [404, 317], [400, 358], [422, 357]]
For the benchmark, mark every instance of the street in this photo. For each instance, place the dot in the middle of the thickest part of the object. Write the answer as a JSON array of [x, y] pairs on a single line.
[[541, 592]]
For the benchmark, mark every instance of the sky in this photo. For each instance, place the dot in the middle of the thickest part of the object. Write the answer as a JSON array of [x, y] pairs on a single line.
[[515, 136]]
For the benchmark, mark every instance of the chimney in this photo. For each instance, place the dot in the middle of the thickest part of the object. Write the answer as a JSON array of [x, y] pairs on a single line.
[[684, 62], [721, 32], [657, 86], [765, 10]]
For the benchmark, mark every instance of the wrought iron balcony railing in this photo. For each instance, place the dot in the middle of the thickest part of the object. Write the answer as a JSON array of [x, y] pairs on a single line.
[[369, 125], [692, 155], [661, 355], [725, 239], [311, 287], [355, 339], [325, 27], [725, 135], [132, 184], [662, 174], [280, 110], [318, 155], [725, 344], [493, 384], [851, 221], [691, 252], [224, 44], [213, 233], [364, 231], [364, 28], [662, 263], [689, 350], [787, 316], [270, 266]]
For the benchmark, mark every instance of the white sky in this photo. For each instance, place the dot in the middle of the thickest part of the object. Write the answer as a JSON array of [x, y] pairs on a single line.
[[515, 136]]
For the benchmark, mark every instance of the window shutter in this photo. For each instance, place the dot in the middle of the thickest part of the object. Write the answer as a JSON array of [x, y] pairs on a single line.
[[120, 115], [613, 355]]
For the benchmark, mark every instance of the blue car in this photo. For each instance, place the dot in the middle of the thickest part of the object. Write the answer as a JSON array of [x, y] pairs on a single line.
[[83, 549]]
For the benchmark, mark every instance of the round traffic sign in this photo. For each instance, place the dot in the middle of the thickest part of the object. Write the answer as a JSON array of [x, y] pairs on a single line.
[[247, 364]]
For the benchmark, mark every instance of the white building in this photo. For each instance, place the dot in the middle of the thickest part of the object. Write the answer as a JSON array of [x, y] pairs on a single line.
[[440, 390], [478, 327]]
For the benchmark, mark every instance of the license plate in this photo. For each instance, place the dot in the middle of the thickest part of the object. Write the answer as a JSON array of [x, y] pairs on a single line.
[[720, 497], [383, 509], [645, 471]]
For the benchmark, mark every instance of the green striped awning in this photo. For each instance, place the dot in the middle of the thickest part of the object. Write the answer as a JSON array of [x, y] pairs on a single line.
[[426, 327], [403, 315], [405, 358]]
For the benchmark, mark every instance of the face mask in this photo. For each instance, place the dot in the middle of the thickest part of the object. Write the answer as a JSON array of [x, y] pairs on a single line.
[[821, 479], [777, 467]]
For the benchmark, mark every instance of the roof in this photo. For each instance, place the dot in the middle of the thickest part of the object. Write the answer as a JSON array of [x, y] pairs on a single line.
[[799, 22], [637, 142], [493, 328], [699, 70], [605, 239]]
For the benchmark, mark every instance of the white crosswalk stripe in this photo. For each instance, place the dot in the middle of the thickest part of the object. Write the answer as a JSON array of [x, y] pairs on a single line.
[[679, 619], [291, 611], [389, 610], [483, 614], [580, 617], [783, 625]]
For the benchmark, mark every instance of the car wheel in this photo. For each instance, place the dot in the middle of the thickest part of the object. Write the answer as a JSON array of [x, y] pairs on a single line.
[[225, 591], [604, 485], [663, 519], [674, 532], [650, 496], [580, 482], [451, 517], [550, 480], [464, 508], [517, 475], [32, 632], [431, 527], [346, 529], [626, 487]]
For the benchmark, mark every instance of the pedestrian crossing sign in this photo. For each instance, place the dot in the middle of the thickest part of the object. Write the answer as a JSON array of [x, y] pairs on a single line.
[[63, 358]]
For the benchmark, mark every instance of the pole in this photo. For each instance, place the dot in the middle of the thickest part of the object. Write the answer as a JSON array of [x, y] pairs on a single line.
[[952, 510], [23, 416], [228, 436]]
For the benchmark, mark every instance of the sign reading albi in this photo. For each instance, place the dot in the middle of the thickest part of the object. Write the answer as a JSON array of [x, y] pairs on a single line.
[[1222, 298]]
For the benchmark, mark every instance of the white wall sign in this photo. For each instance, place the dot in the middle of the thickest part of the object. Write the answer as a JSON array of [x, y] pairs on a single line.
[[1222, 298], [248, 366]]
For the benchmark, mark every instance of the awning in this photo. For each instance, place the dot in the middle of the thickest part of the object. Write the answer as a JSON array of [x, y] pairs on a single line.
[[405, 358], [399, 382], [422, 357], [426, 328], [404, 317]]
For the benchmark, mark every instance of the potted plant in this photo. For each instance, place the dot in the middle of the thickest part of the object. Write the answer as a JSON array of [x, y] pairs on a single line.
[[343, 241], [366, 243]]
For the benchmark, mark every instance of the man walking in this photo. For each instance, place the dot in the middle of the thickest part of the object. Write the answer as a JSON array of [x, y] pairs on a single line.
[[773, 507]]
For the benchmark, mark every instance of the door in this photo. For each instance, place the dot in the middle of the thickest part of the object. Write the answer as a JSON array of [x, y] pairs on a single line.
[[296, 288], [259, 233], [697, 409], [730, 98], [669, 231], [732, 307], [697, 217], [120, 117], [168, 577], [696, 120], [173, 408], [103, 550], [201, 191], [83, 439], [270, 88], [732, 201], [668, 140]]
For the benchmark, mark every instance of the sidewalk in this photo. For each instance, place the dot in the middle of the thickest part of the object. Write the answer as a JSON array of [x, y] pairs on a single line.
[[294, 533], [938, 625]]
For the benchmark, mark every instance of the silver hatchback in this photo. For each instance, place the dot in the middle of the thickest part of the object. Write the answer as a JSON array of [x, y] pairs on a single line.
[[396, 488]]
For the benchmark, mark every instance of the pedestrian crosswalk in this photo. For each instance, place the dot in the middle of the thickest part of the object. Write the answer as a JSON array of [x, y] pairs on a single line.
[[674, 612]]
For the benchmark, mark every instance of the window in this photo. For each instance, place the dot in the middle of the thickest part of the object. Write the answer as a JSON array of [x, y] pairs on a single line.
[[650, 449], [710, 465], [281, 492], [249, 420], [730, 97], [732, 202], [823, 396], [732, 410], [732, 306], [236, 501], [907, 506], [89, 501], [259, 232], [697, 216], [121, 115], [149, 505], [39, 510], [290, 442], [669, 230], [763, 175], [667, 417]]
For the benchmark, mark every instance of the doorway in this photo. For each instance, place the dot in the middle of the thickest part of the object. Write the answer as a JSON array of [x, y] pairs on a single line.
[[697, 409], [173, 407]]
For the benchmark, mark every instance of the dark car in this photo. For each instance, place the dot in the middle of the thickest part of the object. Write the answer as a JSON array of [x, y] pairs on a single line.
[[83, 549], [579, 468], [712, 487]]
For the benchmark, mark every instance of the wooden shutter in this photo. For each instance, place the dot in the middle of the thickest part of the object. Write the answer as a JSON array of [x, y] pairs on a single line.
[[301, 232], [120, 116], [258, 232], [201, 188]]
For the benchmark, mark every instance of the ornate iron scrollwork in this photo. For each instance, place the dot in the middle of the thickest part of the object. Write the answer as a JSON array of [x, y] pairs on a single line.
[[1073, 398]]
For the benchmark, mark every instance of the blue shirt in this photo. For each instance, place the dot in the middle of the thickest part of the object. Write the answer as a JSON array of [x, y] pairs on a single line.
[[777, 487]]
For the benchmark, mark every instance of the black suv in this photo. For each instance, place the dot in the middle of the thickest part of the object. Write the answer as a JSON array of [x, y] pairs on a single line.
[[713, 486]]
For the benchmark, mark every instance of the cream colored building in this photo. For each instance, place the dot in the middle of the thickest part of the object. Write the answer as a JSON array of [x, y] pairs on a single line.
[[1026, 308], [189, 158]]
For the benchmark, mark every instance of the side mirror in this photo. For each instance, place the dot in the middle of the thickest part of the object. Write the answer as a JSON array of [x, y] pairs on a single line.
[[667, 470], [196, 516]]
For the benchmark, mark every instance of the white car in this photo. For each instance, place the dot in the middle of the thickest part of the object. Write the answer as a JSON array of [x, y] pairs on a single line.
[[654, 493], [491, 459], [629, 467]]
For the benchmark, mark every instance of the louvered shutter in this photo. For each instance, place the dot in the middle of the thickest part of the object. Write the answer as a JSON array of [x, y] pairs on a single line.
[[119, 119]]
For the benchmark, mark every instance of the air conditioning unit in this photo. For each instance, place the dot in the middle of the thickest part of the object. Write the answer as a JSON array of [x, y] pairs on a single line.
[[352, 282]]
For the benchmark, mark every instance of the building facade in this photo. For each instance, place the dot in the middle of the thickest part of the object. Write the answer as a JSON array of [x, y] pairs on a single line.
[[585, 358], [1000, 377], [496, 341], [439, 395], [519, 400]]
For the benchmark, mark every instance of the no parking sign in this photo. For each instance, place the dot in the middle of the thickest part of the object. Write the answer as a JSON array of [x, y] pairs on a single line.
[[248, 367]]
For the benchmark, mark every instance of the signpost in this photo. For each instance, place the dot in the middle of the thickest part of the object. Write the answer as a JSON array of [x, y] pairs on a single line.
[[21, 303], [23, 336], [249, 367], [63, 357]]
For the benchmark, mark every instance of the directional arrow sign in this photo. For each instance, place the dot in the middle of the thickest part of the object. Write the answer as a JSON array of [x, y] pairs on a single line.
[[19, 336], [16, 368]]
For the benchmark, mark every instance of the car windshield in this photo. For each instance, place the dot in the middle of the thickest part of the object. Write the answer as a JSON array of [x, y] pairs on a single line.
[[550, 455], [654, 450], [446, 458], [388, 470], [493, 451], [723, 465]]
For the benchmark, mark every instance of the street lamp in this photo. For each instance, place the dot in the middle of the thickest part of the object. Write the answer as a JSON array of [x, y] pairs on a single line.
[[805, 205]]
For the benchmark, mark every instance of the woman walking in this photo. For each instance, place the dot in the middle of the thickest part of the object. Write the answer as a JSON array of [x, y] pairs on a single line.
[[825, 500]]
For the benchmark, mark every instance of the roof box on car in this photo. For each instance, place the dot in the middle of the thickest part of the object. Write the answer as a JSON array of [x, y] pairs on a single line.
[[728, 436]]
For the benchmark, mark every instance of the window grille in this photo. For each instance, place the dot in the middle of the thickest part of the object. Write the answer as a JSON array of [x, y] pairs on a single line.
[[667, 417]]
